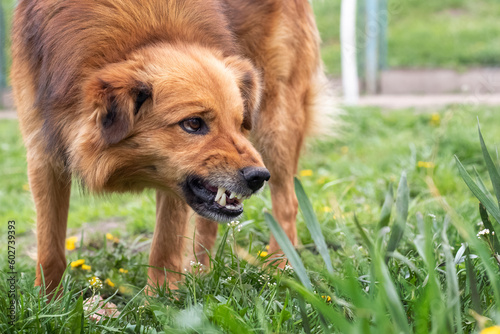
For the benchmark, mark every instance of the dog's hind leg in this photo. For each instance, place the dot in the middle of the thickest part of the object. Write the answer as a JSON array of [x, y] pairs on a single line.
[[50, 185], [166, 257]]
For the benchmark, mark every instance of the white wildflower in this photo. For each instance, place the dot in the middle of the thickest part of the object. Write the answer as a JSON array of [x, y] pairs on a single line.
[[233, 223], [483, 232]]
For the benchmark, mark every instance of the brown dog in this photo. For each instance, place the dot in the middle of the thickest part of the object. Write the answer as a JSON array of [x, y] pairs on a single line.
[[164, 94]]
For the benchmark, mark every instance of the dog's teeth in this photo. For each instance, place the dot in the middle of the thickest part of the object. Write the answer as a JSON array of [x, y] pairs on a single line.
[[233, 195], [222, 201], [234, 207], [220, 191]]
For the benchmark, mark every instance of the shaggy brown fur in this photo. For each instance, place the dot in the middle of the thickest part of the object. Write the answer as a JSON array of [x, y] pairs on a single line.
[[104, 90]]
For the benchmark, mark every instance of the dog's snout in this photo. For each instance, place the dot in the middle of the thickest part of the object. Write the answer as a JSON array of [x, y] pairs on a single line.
[[255, 177]]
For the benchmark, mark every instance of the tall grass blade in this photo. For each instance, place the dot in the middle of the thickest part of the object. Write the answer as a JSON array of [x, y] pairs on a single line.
[[222, 244], [330, 314], [385, 214], [364, 236], [288, 249], [480, 183], [453, 293], [77, 322], [486, 221], [398, 228], [492, 170], [481, 196], [392, 299], [429, 308], [467, 231], [303, 313], [471, 278], [313, 224]]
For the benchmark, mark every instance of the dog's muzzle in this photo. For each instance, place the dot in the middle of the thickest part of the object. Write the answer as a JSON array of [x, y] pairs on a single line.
[[221, 199]]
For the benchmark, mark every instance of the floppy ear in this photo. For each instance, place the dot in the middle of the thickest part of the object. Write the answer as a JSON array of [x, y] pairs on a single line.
[[250, 86], [117, 97]]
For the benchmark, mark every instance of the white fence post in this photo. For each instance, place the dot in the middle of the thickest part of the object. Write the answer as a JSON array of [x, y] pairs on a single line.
[[350, 82]]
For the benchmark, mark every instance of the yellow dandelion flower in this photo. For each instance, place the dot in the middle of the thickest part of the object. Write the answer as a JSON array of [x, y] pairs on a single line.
[[344, 150], [435, 119], [327, 209], [306, 172], [327, 298], [491, 330], [86, 267], [263, 253], [77, 263], [108, 282], [26, 187], [123, 271], [125, 290], [70, 243], [425, 164], [267, 247], [111, 237]]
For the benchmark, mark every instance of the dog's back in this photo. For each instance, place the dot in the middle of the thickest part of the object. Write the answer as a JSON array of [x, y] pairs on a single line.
[[282, 39]]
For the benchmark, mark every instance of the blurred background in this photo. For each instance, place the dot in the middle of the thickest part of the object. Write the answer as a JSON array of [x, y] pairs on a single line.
[[414, 46], [396, 46]]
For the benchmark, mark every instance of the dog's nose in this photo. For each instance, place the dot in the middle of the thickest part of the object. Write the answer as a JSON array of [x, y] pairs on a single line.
[[255, 177]]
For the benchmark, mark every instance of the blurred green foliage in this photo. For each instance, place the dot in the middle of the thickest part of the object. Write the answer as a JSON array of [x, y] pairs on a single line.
[[452, 34]]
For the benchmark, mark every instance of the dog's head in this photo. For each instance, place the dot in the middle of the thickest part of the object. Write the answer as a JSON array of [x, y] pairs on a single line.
[[175, 118]]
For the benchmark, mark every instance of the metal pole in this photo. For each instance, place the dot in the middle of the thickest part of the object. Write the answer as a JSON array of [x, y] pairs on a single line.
[[350, 82], [382, 46], [372, 31]]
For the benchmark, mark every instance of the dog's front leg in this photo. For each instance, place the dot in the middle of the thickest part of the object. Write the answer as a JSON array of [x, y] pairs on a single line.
[[285, 208], [168, 242], [50, 185], [206, 234]]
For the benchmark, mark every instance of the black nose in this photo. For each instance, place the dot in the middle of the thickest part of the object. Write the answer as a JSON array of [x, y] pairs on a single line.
[[255, 177]]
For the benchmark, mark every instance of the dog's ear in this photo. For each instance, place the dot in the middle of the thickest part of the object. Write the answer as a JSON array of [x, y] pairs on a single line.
[[249, 83], [117, 98]]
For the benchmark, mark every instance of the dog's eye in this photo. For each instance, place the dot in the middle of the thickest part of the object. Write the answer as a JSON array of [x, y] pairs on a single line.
[[194, 125]]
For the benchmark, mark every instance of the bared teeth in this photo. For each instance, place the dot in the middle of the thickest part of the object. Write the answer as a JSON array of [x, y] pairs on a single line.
[[220, 191], [221, 198], [222, 201]]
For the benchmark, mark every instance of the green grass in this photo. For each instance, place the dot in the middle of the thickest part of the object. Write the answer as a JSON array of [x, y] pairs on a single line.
[[422, 34], [383, 281], [8, 7], [451, 33]]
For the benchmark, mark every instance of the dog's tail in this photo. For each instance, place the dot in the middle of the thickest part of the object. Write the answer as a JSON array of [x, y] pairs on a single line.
[[323, 113]]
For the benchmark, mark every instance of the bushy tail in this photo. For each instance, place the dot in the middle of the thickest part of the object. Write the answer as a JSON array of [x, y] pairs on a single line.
[[323, 113]]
